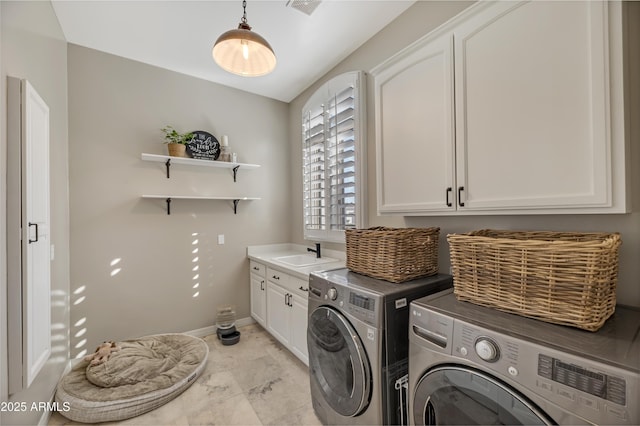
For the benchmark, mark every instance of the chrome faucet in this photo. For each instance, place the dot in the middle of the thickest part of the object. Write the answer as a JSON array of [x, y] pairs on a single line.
[[316, 251]]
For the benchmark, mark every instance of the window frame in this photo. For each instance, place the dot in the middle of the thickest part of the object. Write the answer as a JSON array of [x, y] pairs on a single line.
[[320, 99]]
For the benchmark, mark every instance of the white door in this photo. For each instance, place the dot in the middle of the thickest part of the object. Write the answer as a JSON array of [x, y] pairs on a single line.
[[258, 299], [299, 327], [36, 244], [532, 106], [415, 130], [278, 312]]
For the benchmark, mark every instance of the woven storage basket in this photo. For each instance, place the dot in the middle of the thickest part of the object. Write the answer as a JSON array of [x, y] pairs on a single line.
[[393, 254], [558, 277]]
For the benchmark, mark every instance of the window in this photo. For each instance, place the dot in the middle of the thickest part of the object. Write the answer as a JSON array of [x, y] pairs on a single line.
[[333, 158]]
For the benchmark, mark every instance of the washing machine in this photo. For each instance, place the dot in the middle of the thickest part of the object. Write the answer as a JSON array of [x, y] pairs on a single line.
[[358, 344], [473, 365]]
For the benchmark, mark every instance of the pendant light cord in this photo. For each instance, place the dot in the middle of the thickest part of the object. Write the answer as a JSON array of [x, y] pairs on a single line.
[[244, 14], [243, 25]]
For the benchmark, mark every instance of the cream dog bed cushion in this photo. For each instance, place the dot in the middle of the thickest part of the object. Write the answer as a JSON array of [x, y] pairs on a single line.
[[145, 374]]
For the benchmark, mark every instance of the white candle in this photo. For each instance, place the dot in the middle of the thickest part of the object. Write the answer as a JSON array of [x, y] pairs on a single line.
[[225, 140]]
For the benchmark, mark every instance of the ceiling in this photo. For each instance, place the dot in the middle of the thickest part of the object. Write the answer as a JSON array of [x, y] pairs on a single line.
[[179, 35]]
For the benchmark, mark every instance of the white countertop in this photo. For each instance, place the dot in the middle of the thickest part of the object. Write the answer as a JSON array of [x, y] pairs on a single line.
[[267, 254]]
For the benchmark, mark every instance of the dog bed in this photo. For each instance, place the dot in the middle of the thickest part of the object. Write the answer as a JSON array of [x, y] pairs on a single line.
[[143, 375]]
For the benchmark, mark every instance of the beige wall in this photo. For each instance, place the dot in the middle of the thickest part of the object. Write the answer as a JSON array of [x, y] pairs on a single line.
[[132, 265], [33, 47], [414, 23]]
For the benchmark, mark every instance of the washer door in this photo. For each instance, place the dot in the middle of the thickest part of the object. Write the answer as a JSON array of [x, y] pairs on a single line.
[[338, 363], [459, 395]]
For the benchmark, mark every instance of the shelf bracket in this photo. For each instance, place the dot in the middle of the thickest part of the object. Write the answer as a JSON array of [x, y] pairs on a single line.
[[235, 206], [168, 203], [168, 164], [235, 171]]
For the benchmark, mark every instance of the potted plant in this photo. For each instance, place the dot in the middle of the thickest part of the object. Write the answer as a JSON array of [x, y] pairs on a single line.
[[176, 142]]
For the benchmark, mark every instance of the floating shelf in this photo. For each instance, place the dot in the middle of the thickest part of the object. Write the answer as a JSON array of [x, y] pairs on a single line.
[[169, 160], [168, 199]]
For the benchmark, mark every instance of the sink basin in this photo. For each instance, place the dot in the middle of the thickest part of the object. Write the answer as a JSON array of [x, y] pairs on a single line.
[[304, 260]]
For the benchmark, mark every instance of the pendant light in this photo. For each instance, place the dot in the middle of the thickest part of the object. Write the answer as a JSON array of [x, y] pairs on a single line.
[[244, 52]]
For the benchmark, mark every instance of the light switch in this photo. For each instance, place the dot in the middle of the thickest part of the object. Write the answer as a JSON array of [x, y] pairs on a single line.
[[220, 239]]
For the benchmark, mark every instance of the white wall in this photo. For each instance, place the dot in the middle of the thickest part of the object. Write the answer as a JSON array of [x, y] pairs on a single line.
[[132, 265], [33, 47], [417, 21]]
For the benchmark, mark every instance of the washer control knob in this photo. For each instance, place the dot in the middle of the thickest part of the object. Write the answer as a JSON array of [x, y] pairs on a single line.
[[487, 349], [463, 351], [332, 293]]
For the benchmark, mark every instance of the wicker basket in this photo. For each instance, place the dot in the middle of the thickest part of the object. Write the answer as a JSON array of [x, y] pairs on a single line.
[[393, 254], [558, 277]]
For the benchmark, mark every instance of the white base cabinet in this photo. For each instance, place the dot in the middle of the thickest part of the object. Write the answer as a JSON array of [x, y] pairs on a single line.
[[258, 278], [511, 107], [279, 303]]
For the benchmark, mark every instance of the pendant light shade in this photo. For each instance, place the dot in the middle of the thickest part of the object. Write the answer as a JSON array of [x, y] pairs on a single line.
[[244, 52]]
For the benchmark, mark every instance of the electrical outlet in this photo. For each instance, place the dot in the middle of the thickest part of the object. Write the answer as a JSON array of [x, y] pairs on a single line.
[[220, 239]]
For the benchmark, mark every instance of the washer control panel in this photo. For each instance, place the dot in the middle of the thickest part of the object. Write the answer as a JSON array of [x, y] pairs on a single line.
[[359, 303]]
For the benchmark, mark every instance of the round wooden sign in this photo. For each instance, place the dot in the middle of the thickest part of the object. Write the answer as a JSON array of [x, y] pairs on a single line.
[[203, 146]]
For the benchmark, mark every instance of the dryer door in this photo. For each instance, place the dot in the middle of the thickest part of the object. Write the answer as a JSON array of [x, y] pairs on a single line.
[[338, 363], [458, 395]]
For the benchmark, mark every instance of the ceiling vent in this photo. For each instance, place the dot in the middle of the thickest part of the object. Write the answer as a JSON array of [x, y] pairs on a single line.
[[304, 6]]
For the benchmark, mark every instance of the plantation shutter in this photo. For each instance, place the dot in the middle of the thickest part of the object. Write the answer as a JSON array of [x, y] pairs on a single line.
[[332, 146], [341, 160], [314, 170]]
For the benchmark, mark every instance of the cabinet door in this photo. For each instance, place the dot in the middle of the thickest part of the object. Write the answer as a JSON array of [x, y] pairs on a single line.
[[278, 313], [299, 328], [415, 130], [258, 299], [531, 95]]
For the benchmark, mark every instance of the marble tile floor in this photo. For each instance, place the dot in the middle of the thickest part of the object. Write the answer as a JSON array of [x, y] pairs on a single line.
[[254, 382]]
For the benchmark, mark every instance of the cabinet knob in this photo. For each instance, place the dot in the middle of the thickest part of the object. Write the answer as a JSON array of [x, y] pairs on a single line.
[[255, 268]]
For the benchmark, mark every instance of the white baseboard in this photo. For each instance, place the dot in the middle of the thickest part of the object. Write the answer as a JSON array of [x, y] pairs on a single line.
[[206, 331]]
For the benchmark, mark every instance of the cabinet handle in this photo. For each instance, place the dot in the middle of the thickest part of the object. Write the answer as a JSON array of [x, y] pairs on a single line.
[[275, 277], [255, 268], [286, 299], [262, 285], [460, 189], [449, 189], [303, 289], [37, 238]]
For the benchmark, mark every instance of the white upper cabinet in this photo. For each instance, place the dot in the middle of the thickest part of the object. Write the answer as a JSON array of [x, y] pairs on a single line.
[[509, 108], [414, 120]]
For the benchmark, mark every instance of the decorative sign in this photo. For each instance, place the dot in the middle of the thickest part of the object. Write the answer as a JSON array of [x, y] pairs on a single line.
[[203, 146]]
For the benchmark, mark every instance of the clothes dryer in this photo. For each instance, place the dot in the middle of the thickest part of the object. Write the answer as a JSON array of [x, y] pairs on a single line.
[[474, 365], [358, 344]]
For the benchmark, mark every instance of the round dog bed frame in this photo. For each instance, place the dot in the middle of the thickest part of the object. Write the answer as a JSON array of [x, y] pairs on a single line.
[[89, 403]]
